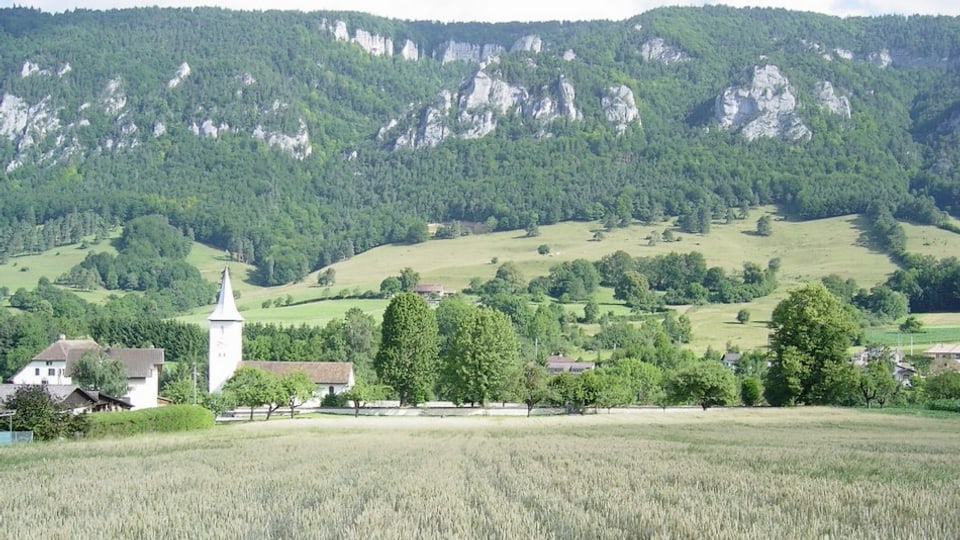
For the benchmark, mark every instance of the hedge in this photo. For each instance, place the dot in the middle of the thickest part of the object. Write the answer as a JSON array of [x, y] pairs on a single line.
[[154, 420], [951, 405]]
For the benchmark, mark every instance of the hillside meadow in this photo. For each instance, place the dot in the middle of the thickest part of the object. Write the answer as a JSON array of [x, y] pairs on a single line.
[[808, 250], [737, 473]]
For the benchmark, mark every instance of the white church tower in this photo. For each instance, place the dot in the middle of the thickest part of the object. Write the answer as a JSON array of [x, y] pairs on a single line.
[[226, 336]]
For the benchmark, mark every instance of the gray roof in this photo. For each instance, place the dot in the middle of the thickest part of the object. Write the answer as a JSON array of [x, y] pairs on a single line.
[[139, 362], [323, 373], [64, 391]]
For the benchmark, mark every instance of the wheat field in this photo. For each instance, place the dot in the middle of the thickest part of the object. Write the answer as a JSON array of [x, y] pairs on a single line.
[[805, 473]]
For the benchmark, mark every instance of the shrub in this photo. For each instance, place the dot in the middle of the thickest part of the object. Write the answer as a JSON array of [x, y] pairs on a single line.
[[750, 391], [950, 405], [155, 420], [334, 400]]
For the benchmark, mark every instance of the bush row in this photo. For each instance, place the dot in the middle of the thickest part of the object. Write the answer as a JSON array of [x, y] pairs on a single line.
[[951, 405], [159, 419]]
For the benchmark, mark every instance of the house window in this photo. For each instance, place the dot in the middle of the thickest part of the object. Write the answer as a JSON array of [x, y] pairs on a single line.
[[49, 362], [51, 372], [330, 391], [36, 372]]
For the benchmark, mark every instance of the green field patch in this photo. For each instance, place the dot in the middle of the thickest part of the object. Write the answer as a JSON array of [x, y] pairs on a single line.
[[929, 335]]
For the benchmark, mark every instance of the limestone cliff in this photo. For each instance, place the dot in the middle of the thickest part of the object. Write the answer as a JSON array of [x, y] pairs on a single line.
[[764, 107], [620, 107]]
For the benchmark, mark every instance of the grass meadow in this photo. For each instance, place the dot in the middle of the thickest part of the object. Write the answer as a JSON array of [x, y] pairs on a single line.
[[808, 250], [737, 473]]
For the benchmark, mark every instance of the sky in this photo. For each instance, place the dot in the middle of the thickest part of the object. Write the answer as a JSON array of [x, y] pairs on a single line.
[[515, 10]]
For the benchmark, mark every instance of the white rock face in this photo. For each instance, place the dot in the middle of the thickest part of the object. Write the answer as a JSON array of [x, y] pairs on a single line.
[[159, 129], [828, 99], [843, 53], [297, 145], [620, 107], [372, 43], [64, 69], [112, 99], [455, 51], [764, 108], [569, 55], [658, 50], [560, 103], [480, 98], [25, 126], [882, 58], [246, 79], [182, 73], [531, 43], [410, 51], [28, 69]]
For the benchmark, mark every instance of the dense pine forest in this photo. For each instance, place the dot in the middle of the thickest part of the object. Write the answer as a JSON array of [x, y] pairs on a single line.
[[295, 140]]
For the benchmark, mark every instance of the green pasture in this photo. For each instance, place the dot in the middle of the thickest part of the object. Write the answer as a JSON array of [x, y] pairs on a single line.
[[930, 335]]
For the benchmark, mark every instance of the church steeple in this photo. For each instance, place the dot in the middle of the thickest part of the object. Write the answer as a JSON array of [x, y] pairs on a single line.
[[226, 309], [226, 337]]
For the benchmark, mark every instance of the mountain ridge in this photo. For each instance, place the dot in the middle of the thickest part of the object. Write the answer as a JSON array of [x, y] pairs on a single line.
[[300, 139]]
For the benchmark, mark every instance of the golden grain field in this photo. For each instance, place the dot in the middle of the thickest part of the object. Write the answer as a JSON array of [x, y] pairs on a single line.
[[805, 473]]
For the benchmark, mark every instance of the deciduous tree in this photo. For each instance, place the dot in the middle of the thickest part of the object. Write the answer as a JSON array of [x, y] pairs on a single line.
[[706, 383], [94, 370], [407, 359], [481, 356], [810, 334]]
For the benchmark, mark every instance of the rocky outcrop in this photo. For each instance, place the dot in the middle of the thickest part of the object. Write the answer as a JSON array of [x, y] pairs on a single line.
[[297, 145], [483, 97], [474, 110], [766, 107], [410, 51], [556, 102], [828, 99], [620, 107], [29, 68], [26, 126], [881, 58], [374, 44], [569, 55], [112, 98], [431, 128], [182, 73], [658, 50], [455, 51], [531, 43]]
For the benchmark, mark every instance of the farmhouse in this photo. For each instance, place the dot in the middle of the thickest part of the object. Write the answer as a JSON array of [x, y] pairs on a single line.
[[75, 398], [432, 292], [558, 363], [941, 351], [226, 350], [54, 365]]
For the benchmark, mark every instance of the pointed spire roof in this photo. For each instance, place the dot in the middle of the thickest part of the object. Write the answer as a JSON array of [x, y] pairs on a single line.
[[226, 309]]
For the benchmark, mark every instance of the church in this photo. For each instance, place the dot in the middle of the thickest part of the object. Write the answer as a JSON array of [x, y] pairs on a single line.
[[226, 351]]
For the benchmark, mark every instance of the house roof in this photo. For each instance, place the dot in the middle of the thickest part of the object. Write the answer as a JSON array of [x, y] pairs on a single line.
[[139, 362], [568, 365], [71, 393], [319, 372], [428, 288], [226, 309], [59, 350], [731, 357], [941, 348]]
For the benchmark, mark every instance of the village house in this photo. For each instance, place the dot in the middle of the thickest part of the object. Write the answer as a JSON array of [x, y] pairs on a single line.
[[54, 365], [74, 398], [226, 352], [944, 351], [557, 363], [330, 378], [432, 292], [902, 371]]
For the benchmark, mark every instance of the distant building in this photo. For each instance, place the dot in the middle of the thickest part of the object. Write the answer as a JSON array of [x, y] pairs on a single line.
[[731, 359], [226, 351], [53, 366], [557, 363], [941, 351], [74, 398], [902, 371], [432, 292]]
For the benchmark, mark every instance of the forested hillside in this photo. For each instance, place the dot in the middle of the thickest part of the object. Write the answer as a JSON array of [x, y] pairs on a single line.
[[295, 140]]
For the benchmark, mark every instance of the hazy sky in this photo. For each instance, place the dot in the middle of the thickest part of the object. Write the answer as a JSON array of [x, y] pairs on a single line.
[[514, 10]]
